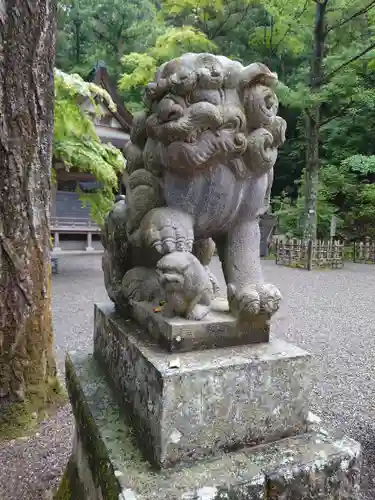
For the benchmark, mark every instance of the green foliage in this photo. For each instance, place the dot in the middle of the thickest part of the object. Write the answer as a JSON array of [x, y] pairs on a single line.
[[76, 144], [286, 30], [290, 213], [359, 163], [349, 187], [140, 68], [201, 9], [345, 191], [89, 31]]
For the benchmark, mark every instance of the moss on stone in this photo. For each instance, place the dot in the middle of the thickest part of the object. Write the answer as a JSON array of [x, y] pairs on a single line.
[[97, 454], [64, 491], [70, 487]]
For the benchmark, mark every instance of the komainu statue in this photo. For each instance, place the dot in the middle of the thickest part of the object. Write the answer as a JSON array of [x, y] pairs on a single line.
[[199, 174]]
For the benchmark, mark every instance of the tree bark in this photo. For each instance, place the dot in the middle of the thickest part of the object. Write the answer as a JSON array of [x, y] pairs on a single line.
[[312, 125], [27, 52], [311, 180]]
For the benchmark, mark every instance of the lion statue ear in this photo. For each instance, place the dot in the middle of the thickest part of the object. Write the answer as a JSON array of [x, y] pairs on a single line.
[[257, 73]]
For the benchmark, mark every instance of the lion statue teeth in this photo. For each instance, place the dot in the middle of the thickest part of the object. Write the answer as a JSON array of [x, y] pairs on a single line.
[[199, 174]]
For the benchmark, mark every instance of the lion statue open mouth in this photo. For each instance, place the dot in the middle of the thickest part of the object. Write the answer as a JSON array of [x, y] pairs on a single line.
[[199, 173]]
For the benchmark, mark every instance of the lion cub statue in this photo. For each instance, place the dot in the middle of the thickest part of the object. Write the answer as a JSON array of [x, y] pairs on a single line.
[[199, 174]]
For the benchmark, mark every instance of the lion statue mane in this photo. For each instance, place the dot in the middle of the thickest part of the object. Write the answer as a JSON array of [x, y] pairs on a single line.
[[198, 176]]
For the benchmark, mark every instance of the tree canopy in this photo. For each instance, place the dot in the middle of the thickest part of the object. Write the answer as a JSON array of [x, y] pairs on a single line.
[[323, 51]]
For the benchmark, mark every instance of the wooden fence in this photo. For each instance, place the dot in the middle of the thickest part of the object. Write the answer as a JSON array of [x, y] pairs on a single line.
[[364, 251], [308, 254]]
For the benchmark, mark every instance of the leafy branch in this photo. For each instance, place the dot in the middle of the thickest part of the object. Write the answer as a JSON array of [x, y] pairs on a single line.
[[341, 112], [348, 62], [341, 23], [289, 28]]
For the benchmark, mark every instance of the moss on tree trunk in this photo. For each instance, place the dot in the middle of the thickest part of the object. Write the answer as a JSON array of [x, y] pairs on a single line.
[[27, 49]]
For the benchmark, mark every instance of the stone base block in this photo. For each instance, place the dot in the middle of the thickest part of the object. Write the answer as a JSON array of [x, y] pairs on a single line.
[[199, 403], [218, 329], [107, 465]]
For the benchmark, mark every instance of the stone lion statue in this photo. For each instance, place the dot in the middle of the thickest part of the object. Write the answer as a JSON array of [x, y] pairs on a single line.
[[199, 174]]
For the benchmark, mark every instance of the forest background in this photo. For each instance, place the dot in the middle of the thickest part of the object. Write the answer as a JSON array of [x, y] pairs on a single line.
[[322, 50]]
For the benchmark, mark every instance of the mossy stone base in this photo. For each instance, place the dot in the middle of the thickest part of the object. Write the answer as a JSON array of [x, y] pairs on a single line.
[[107, 465], [199, 403]]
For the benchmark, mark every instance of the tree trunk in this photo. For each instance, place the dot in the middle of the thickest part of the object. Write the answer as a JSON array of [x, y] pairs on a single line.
[[77, 26], [27, 51], [311, 180], [313, 124]]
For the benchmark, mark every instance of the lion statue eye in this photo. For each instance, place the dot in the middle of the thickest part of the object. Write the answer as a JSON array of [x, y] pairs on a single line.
[[174, 115], [269, 101]]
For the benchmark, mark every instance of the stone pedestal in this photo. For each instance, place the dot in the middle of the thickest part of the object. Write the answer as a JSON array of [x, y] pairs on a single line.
[[197, 403], [218, 329], [225, 423]]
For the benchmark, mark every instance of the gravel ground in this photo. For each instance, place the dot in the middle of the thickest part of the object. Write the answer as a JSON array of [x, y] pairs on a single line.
[[329, 313]]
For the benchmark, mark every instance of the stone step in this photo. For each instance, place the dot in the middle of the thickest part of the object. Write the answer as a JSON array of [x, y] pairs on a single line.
[[106, 464], [199, 403]]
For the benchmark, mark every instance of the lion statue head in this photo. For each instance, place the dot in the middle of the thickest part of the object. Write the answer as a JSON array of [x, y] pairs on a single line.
[[202, 111]]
